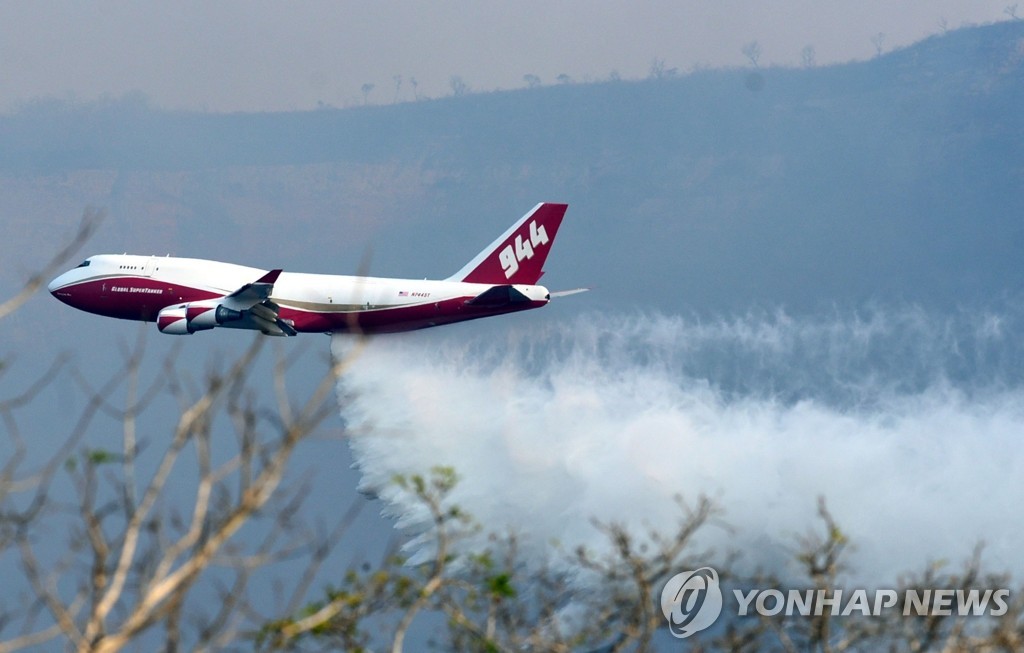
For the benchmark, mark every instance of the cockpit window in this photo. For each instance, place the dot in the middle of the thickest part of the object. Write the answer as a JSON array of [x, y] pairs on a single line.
[[84, 264]]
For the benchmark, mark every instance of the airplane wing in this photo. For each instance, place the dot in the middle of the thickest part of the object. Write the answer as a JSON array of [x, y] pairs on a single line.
[[254, 292], [256, 310], [264, 316]]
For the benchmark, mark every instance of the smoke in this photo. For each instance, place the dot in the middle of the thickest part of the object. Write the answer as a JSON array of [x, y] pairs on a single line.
[[907, 423]]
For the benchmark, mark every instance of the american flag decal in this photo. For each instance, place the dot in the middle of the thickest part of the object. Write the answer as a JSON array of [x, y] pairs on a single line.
[[402, 293]]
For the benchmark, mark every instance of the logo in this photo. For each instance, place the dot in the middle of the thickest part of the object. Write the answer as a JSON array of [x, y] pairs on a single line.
[[510, 257], [691, 601]]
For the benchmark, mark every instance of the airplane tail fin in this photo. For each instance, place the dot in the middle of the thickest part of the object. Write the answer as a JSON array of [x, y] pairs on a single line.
[[518, 255]]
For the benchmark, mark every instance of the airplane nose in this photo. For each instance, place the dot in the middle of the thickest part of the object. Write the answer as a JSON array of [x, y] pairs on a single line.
[[58, 283]]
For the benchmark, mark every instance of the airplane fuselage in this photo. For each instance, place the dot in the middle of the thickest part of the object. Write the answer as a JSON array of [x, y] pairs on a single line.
[[139, 287], [186, 295]]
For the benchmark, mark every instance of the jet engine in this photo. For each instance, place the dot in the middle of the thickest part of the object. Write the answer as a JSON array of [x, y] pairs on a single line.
[[185, 319]]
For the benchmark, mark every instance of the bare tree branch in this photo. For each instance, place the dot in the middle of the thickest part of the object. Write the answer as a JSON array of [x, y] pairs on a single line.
[[91, 219]]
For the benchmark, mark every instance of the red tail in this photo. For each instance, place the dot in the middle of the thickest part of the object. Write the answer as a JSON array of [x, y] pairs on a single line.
[[518, 255]]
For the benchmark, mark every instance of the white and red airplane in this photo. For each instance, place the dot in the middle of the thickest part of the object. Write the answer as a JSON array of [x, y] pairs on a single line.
[[184, 295]]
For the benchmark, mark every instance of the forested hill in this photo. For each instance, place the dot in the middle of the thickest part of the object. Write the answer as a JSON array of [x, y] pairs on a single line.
[[899, 178]]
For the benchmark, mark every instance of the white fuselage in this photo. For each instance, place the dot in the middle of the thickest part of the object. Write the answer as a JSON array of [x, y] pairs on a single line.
[[139, 287]]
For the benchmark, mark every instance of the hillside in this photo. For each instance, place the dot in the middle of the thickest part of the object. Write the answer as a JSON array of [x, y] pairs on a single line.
[[894, 179]]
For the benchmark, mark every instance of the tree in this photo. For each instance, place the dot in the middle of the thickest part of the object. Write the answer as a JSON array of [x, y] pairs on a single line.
[[142, 561], [138, 544], [878, 40], [398, 87], [458, 86], [493, 601], [807, 56], [366, 88], [532, 81], [658, 70], [138, 562], [752, 51], [822, 557]]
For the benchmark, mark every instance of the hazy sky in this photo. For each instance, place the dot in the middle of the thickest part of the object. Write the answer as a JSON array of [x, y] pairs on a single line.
[[232, 55]]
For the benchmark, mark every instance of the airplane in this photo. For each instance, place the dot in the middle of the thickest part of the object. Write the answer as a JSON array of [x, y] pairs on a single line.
[[186, 295]]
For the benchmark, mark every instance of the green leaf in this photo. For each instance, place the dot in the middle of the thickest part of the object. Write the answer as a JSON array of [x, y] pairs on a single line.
[[500, 586], [100, 457]]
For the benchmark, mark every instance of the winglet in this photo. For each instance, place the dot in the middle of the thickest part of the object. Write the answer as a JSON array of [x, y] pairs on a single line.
[[269, 277], [256, 291], [518, 255]]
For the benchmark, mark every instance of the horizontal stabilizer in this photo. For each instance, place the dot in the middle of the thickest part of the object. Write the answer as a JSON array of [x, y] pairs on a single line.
[[497, 296]]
